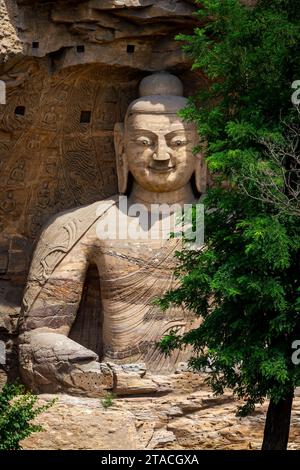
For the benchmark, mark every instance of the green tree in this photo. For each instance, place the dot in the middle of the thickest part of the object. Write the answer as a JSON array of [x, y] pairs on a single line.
[[17, 410], [245, 283]]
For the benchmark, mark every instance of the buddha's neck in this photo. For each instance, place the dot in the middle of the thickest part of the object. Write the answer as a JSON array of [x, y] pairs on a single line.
[[181, 196]]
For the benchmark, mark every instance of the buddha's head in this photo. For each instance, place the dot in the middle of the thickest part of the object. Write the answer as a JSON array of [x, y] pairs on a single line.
[[154, 144]]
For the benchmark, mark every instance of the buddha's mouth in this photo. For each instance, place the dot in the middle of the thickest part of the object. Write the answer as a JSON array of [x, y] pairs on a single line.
[[162, 169]]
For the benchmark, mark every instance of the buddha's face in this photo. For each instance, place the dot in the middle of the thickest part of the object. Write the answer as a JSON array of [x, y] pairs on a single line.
[[159, 151]]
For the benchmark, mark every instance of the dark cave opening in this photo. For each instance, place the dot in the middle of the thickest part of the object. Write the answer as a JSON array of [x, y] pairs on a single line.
[[87, 329]]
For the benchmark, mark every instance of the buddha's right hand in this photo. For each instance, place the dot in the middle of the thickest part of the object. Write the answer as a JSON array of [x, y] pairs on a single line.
[[52, 362]]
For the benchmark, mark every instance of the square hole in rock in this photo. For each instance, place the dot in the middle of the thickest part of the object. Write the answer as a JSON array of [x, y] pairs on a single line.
[[85, 117], [20, 111], [130, 48]]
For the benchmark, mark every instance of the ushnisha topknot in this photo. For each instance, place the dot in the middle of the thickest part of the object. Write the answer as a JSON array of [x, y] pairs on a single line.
[[160, 93], [162, 84]]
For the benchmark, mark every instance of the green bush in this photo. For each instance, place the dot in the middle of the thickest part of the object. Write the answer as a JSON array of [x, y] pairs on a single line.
[[17, 410], [107, 401]]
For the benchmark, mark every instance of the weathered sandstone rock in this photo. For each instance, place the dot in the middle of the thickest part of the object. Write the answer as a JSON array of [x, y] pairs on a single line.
[[71, 69], [127, 382], [51, 361], [178, 420]]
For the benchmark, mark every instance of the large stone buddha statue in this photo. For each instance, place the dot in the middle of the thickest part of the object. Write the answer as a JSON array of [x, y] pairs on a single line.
[[156, 166]]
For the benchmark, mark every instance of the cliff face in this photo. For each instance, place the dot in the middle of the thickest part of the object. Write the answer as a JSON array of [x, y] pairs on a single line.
[[135, 33], [70, 68]]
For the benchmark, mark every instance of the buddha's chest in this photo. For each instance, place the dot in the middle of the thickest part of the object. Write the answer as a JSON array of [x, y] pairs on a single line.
[[122, 259]]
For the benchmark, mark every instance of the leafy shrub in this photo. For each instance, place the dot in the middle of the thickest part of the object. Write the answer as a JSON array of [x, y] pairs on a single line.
[[17, 410]]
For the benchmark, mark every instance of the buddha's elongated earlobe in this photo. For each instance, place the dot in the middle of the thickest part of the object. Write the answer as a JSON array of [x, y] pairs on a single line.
[[121, 158], [200, 174]]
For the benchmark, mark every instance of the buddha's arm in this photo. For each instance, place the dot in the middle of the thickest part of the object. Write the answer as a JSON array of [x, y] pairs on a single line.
[[58, 269], [54, 304], [48, 358]]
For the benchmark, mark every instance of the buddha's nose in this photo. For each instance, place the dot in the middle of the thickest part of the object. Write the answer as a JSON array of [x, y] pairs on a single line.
[[162, 151]]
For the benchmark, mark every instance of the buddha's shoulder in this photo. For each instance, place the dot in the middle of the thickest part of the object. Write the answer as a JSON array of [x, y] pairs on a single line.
[[78, 219]]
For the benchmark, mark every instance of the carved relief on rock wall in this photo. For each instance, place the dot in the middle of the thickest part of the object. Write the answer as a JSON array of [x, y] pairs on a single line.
[[54, 158], [56, 145]]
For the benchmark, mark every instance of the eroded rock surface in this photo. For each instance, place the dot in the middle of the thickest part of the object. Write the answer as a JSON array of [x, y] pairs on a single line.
[[10, 43], [188, 418]]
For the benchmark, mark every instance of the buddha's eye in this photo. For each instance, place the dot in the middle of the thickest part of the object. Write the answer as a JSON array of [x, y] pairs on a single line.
[[145, 142], [177, 142]]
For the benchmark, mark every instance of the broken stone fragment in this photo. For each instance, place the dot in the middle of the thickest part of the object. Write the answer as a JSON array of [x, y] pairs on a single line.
[[129, 379]]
